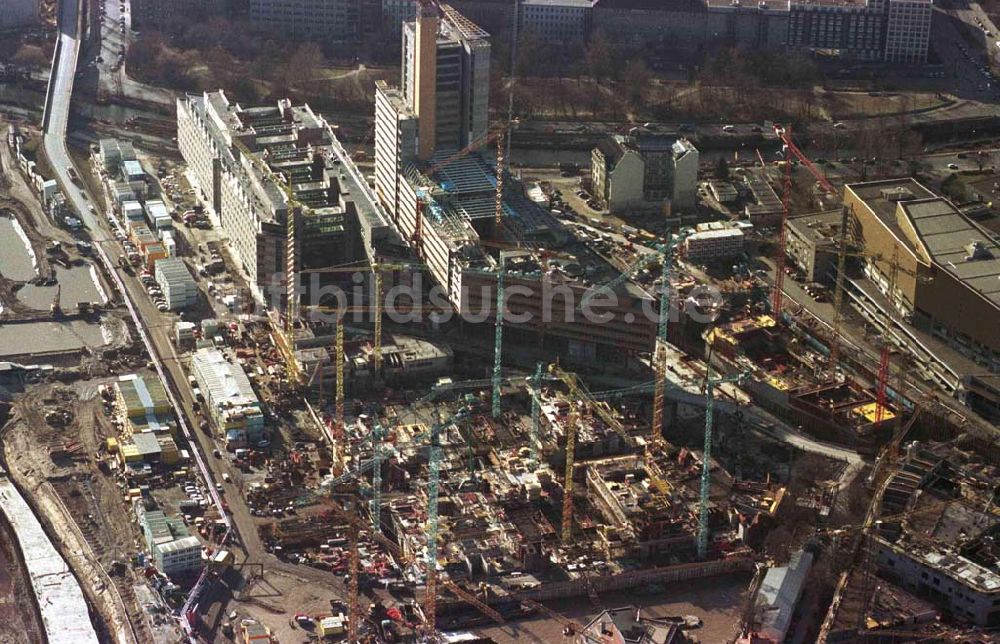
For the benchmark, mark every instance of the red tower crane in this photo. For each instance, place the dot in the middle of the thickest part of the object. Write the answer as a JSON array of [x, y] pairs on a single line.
[[785, 134]]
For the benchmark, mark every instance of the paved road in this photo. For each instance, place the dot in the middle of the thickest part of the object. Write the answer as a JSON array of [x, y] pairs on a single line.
[[154, 326], [113, 78], [967, 65]]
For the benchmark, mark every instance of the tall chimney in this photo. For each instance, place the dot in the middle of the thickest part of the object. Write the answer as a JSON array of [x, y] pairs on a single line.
[[425, 77]]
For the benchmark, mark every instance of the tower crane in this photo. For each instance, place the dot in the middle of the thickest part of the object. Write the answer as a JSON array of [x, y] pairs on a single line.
[[536, 414], [338, 356], [498, 334], [785, 134], [892, 317], [433, 488], [566, 532], [706, 470], [496, 380], [378, 434], [665, 252], [576, 390], [501, 170]]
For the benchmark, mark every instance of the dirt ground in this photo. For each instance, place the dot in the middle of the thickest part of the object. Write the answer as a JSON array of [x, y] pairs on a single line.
[[50, 442], [716, 600], [274, 600]]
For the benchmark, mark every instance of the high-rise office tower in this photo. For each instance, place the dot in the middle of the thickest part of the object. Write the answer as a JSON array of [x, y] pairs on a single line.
[[443, 101], [446, 77]]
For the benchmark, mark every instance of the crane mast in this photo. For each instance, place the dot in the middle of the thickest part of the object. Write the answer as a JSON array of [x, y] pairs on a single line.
[[567, 509], [339, 357], [660, 353], [353, 608], [378, 316], [498, 342], [838, 291], [498, 215], [706, 469], [536, 414], [779, 261], [378, 433]]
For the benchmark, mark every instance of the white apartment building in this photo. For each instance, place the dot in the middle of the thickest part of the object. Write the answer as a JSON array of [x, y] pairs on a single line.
[[242, 161], [617, 175], [556, 21], [908, 31], [714, 245], [684, 174], [645, 171], [395, 143], [18, 13]]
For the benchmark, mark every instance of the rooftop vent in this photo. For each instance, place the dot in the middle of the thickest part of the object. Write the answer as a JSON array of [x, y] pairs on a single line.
[[897, 194], [976, 250]]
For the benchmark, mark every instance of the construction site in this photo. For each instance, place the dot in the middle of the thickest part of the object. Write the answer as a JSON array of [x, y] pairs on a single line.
[[749, 446]]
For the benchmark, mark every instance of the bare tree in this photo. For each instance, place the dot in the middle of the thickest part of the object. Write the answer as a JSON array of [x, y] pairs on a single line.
[[304, 65], [599, 61], [637, 79]]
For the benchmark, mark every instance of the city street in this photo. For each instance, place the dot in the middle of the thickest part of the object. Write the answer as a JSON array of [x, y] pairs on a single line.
[[154, 326], [964, 63]]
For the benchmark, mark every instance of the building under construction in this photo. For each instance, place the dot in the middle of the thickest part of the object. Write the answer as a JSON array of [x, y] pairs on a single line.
[[454, 203], [929, 560], [790, 379]]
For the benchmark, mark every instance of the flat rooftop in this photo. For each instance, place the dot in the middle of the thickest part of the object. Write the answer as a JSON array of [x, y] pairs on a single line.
[[945, 236], [823, 227], [881, 197], [572, 4], [958, 245]]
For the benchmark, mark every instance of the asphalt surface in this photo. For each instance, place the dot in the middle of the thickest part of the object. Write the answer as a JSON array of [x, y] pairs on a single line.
[[157, 326], [963, 62], [112, 77]]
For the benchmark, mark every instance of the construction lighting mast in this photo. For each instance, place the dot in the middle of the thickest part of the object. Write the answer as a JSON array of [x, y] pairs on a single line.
[[706, 470]]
